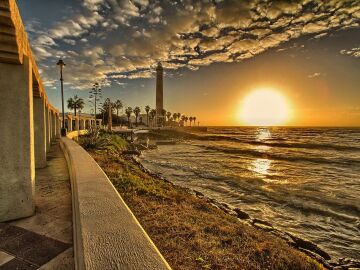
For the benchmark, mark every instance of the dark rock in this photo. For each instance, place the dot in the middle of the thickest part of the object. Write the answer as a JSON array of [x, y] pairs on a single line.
[[317, 257], [263, 222], [305, 244], [241, 214], [225, 205], [199, 194]]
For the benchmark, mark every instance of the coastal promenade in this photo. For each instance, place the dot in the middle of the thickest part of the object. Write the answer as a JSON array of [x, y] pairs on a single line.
[[58, 209], [44, 240]]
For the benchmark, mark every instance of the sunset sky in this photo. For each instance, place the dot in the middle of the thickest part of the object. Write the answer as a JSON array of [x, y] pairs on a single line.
[[215, 53]]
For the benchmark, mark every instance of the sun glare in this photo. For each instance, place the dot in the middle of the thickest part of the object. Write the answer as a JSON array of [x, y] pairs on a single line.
[[264, 107]]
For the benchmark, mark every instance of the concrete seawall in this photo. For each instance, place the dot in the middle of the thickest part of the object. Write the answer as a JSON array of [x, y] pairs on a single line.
[[106, 233]]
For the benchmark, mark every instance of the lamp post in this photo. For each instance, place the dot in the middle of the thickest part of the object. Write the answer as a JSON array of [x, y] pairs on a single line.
[[61, 64]]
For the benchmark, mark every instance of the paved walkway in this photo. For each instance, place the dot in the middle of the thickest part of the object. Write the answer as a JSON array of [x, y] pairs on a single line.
[[43, 241]]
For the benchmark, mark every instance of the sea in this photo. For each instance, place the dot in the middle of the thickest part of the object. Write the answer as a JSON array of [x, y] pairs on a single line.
[[305, 181]]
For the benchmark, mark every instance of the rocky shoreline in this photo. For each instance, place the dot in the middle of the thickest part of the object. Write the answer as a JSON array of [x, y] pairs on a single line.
[[305, 246]]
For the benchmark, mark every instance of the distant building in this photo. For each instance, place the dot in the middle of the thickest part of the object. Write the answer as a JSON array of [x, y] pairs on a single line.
[[159, 95]]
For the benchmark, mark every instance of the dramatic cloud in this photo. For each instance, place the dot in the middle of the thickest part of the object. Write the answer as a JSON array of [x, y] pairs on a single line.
[[114, 40]]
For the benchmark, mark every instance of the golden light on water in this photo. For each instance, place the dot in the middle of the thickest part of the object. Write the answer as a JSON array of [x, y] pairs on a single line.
[[264, 107]]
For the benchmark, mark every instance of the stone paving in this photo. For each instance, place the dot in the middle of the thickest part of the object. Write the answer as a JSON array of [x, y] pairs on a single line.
[[43, 241]]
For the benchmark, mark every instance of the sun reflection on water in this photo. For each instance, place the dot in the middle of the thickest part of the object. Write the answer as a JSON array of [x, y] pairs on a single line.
[[263, 134], [262, 165]]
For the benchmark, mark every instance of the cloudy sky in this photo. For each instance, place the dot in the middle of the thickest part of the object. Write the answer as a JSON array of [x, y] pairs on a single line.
[[214, 52]]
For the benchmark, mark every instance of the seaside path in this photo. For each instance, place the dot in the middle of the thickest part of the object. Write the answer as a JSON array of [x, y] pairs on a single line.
[[44, 240]]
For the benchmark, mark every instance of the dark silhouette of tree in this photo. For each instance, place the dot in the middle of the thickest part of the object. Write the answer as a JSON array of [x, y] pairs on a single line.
[[137, 111], [152, 115], [128, 112], [183, 119], [175, 116], [118, 106], [168, 115]]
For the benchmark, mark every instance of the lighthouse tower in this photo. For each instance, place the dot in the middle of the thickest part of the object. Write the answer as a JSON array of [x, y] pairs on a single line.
[[159, 95]]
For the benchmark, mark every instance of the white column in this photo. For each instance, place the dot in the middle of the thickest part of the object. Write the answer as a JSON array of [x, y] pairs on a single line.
[[17, 166], [48, 129], [40, 132], [59, 123], [70, 127], [53, 126], [82, 124]]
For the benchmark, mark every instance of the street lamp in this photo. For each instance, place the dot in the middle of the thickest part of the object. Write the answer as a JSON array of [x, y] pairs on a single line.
[[61, 64]]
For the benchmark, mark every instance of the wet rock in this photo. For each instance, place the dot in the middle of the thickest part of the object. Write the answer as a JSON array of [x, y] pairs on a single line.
[[263, 222], [232, 212], [283, 235], [241, 214], [199, 194], [307, 245], [223, 204], [317, 257], [213, 201]]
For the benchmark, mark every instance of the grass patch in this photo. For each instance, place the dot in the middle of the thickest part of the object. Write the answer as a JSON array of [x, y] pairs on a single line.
[[191, 233]]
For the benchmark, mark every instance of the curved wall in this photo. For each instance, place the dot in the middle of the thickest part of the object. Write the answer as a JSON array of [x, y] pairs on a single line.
[[106, 233]]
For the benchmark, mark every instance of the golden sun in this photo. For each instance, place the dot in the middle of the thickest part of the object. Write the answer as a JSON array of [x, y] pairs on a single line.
[[264, 107]]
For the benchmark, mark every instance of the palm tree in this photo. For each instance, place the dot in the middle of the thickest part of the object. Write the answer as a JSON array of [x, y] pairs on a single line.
[[137, 111], [118, 106], [190, 118], [183, 119], [128, 112], [147, 110], [178, 116], [152, 114], [194, 119], [168, 115], [75, 103], [175, 116]]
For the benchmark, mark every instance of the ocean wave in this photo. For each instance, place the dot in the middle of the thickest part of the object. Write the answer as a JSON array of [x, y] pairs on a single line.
[[269, 155], [271, 143]]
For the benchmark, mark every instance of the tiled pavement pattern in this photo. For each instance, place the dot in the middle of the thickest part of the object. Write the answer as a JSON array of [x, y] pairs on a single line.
[[30, 250], [45, 239]]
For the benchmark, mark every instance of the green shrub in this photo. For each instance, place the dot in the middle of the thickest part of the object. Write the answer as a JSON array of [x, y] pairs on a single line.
[[97, 140]]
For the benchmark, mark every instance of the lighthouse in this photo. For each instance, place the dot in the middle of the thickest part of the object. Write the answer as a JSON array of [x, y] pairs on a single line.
[[159, 95]]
